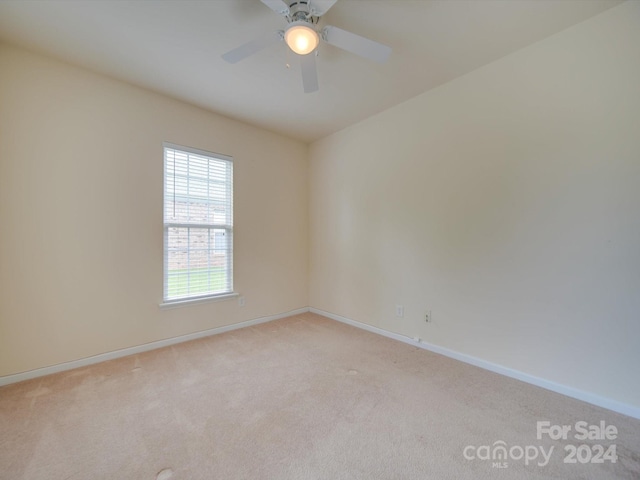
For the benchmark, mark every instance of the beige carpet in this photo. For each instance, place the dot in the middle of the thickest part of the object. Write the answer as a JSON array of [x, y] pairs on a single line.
[[299, 398]]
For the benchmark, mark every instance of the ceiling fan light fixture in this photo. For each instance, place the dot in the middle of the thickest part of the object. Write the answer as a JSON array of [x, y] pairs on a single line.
[[301, 38]]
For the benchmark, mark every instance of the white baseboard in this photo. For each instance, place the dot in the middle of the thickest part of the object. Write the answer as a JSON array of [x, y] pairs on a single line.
[[588, 397], [83, 362]]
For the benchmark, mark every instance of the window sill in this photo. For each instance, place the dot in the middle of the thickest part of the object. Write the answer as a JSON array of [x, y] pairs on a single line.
[[192, 301]]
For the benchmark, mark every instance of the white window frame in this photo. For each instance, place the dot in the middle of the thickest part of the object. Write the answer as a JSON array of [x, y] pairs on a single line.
[[227, 227]]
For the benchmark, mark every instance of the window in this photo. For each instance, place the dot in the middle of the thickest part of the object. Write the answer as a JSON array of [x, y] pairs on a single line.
[[198, 224]]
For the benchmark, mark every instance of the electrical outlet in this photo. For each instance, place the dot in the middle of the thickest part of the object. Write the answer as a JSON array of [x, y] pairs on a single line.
[[399, 311], [427, 316], [241, 301]]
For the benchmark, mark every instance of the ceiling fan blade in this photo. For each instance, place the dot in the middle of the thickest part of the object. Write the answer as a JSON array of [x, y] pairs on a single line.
[[356, 44], [320, 7], [277, 6], [309, 72], [249, 48]]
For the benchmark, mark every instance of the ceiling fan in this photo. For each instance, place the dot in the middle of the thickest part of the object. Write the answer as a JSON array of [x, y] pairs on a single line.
[[303, 37]]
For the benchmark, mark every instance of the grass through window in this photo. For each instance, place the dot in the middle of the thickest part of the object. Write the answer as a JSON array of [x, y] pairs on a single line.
[[183, 283]]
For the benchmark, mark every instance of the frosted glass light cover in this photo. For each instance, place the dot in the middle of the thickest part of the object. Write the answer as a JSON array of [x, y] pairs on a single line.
[[301, 39]]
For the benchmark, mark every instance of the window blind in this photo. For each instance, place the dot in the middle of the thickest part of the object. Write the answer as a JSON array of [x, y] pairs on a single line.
[[198, 223]]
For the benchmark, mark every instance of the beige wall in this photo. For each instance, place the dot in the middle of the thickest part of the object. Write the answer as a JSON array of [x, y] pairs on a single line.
[[81, 168], [507, 202]]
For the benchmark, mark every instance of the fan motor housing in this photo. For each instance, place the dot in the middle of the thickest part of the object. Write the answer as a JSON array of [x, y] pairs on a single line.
[[300, 12]]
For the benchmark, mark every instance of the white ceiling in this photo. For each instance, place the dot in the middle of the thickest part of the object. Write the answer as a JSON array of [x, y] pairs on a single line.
[[174, 47]]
